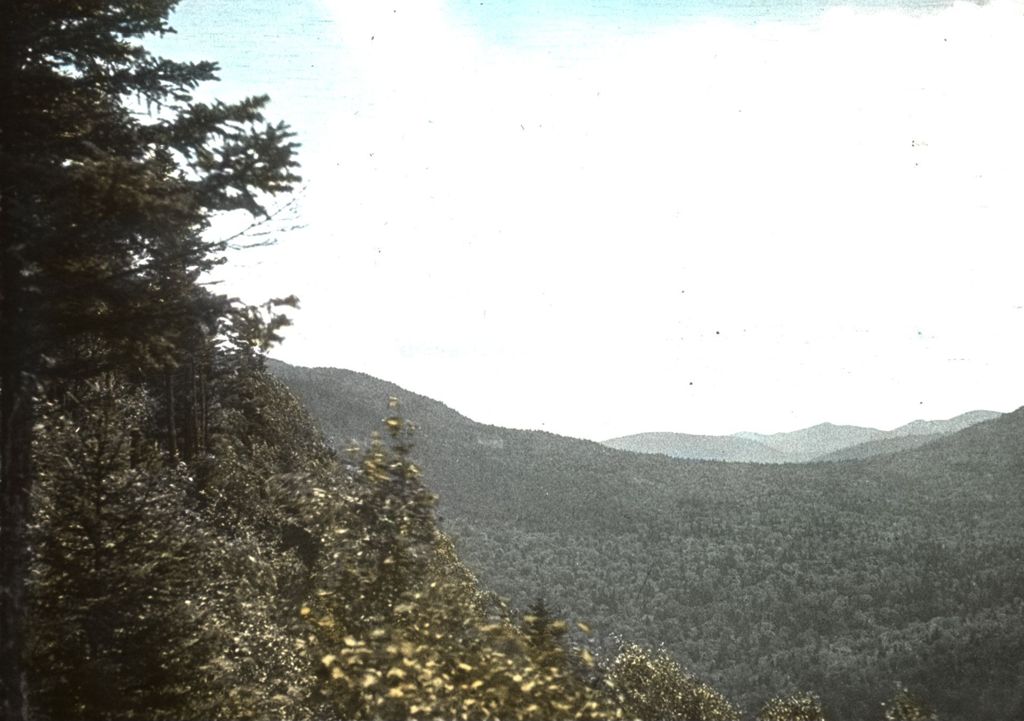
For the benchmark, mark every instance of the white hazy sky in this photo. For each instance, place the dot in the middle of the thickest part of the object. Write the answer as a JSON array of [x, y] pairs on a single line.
[[601, 218]]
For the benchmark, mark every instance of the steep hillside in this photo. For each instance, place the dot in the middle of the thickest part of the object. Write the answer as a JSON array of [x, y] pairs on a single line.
[[479, 471], [837, 577], [881, 447], [348, 403]]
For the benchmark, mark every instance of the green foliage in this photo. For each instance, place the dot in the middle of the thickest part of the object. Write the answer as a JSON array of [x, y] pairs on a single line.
[[652, 686], [545, 631], [838, 577], [145, 603], [112, 538], [400, 627], [801, 706], [109, 174], [264, 577], [387, 531], [445, 656], [906, 706], [199, 552], [115, 170]]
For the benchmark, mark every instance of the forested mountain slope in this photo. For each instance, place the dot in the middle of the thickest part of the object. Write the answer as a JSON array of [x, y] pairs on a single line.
[[880, 447], [838, 577]]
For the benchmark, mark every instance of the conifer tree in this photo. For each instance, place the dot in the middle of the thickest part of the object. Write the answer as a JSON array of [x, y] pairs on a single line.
[[800, 706], [158, 594], [907, 706], [109, 172], [652, 686], [116, 551]]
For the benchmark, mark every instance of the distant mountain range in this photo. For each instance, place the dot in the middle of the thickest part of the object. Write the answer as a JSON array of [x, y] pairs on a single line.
[[823, 442], [836, 577]]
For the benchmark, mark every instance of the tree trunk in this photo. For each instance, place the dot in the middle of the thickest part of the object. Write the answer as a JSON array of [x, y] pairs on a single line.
[[172, 427], [204, 422], [16, 397], [16, 411]]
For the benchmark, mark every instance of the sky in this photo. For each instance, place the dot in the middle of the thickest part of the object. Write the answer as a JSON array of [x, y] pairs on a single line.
[[604, 217]]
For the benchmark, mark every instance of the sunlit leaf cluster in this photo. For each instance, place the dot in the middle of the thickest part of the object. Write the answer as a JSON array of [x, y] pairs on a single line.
[[404, 630], [907, 706], [800, 706], [651, 685]]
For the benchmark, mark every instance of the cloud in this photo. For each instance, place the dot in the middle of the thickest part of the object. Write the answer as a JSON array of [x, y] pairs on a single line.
[[584, 206]]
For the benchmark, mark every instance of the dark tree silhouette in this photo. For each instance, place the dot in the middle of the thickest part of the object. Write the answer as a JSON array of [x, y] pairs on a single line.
[[109, 172]]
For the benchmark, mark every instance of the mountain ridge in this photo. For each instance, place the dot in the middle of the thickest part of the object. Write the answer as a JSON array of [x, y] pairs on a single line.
[[699, 447], [820, 442]]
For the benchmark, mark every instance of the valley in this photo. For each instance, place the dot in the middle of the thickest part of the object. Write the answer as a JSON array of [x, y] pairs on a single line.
[[844, 578]]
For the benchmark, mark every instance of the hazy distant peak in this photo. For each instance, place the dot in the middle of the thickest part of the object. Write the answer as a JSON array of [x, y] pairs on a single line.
[[823, 441], [951, 425], [809, 443], [710, 448]]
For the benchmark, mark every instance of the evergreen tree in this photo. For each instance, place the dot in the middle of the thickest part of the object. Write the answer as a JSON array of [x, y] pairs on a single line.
[[115, 564], [801, 706], [400, 628], [906, 706], [109, 171], [543, 628], [651, 686], [163, 589], [387, 537]]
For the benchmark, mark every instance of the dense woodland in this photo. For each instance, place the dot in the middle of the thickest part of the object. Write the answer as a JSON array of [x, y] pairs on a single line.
[[179, 540], [842, 578]]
